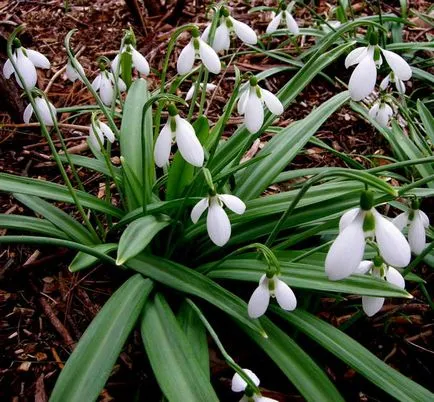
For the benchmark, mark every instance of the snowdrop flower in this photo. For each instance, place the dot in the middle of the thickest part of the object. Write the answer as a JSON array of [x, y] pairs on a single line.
[[209, 88], [399, 84], [217, 221], [250, 104], [97, 131], [228, 25], [364, 76], [104, 83], [239, 385], [381, 113], [183, 132], [26, 61], [71, 73], [372, 305], [197, 47], [285, 13], [417, 222], [355, 226], [139, 62], [44, 108], [271, 287]]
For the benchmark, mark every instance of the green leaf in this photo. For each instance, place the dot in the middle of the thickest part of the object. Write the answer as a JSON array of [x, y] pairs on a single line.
[[297, 365], [94, 164], [357, 357], [427, 120], [190, 282], [90, 365], [64, 222], [25, 185], [138, 235], [171, 355], [30, 224], [83, 260]]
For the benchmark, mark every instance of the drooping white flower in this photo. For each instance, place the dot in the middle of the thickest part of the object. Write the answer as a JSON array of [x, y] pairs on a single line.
[[399, 84], [217, 222], [417, 222], [227, 26], [104, 83], [26, 61], [381, 113], [139, 61], [364, 76], [72, 74], [183, 132], [209, 88], [239, 385], [372, 305], [250, 104], [45, 109], [98, 131], [285, 15], [197, 47], [355, 226], [271, 287]]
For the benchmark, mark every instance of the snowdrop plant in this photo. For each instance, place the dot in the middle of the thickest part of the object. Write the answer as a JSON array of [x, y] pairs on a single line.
[[72, 74], [240, 385], [104, 83], [381, 112], [128, 51], [190, 92], [98, 131], [399, 84], [283, 15], [250, 104], [45, 109]]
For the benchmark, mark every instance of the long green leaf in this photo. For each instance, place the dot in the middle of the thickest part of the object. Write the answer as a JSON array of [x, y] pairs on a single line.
[[427, 120], [90, 365], [83, 260], [30, 224], [357, 356], [93, 164], [172, 356]]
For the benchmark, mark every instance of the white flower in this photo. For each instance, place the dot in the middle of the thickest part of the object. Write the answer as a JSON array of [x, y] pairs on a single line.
[[197, 47], [364, 76], [104, 82], [347, 250], [45, 110], [381, 113], [227, 25], [138, 60], [97, 132], [188, 144], [289, 21], [239, 385], [372, 305], [271, 287], [250, 104], [217, 222], [26, 61], [209, 88], [417, 222], [72, 74], [399, 84]]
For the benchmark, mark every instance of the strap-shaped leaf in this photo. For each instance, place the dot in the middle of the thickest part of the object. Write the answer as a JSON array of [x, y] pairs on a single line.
[[357, 356], [171, 355], [90, 365], [427, 119], [30, 224], [83, 260], [92, 163]]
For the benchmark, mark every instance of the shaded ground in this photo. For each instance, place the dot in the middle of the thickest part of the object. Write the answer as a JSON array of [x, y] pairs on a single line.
[[44, 308]]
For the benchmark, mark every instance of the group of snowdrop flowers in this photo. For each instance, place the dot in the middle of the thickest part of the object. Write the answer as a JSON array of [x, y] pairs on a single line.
[[365, 224]]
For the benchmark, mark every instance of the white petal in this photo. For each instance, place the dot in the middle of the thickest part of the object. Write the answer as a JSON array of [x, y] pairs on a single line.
[[355, 56], [71, 72], [373, 111], [364, 267], [8, 69], [383, 115], [96, 83], [254, 113], [190, 93], [385, 82], [222, 39], [27, 70], [233, 203], [398, 65], [114, 64], [372, 305], [217, 223], [346, 252], [242, 101], [28, 111], [274, 24], [401, 220], [209, 57], [347, 218], [38, 59], [106, 91], [199, 209], [391, 242], [94, 135], [205, 34], [121, 85], [186, 59], [140, 63], [188, 144], [362, 81], [416, 234], [44, 111], [244, 32], [107, 131], [394, 277], [424, 217], [238, 384], [259, 301], [162, 146], [291, 23], [400, 86], [284, 295], [272, 101]]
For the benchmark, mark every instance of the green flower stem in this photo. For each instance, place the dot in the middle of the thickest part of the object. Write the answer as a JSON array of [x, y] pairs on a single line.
[[195, 93], [312, 251], [203, 95], [405, 189]]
